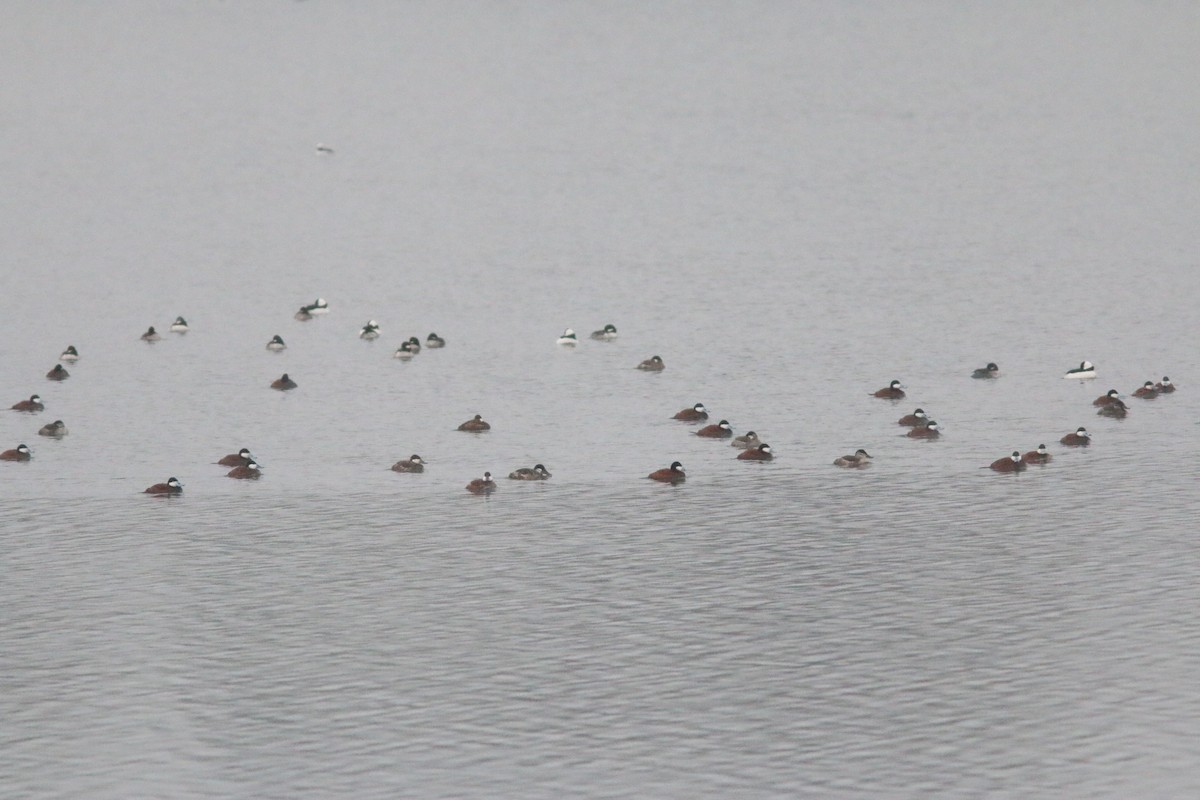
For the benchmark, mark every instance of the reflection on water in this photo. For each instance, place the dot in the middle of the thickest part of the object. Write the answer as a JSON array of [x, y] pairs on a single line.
[[792, 208]]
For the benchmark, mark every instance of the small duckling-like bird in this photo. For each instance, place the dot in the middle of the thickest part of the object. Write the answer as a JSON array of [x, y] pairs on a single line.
[[990, 371], [861, 458], [57, 429], [749, 440], [535, 473], [605, 334], [652, 364]]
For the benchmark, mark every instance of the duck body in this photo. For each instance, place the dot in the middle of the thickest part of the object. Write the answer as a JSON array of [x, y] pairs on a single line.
[[1146, 391], [1080, 438], [1116, 410], [151, 335], [535, 473], [59, 373], [179, 325], [694, 414], [1011, 463], [917, 419], [761, 453], [18, 453], [57, 429], [32, 405], [930, 431], [568, 338], [671, 474], [860, 458], [475, 425], [70, 355], [413, 463], [721, 430], [1085, 371], [484, 485], [652, 364], [434, 341], [990, 371], [276, 344], [239, 459], [746, 442], [172, 486], [1039, 456], [893, 391], [250, 471], [605, 334], [283, 383]]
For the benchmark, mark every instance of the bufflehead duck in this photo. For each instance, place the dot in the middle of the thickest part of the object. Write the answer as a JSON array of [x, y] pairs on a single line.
[[745, 442], [671, 474], [893, 391], [694, 414], [605, 334], [1080, 438], [484, 485], [172, 486], [414, 344], [303, 314], [721, 430], [1116, 409], [405, 351], [1165, 386], [276, 344], [150, 335], [652, 364], [59, 373], [475, 425], [1012, 463], [70, 355], [414, 464], [250, 471], [861, 458], [433, 340], [990, 371], [1111, 396], [239, 459], [56, 429], [568, 337], [1039, 456], [20, 453], [1086, 369], [179, 325], [369, 331], [917, 419], [1147, 391], [283, 383], [537, 473], [34, 403], [761, 453], [930, 431], [319, 307]]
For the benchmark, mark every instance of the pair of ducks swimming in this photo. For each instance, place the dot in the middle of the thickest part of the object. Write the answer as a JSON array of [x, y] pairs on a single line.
[[486, 485], [605, 334], [244, 468], [180, 325]]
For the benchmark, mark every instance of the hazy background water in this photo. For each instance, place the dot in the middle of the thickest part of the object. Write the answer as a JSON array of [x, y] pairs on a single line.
[[792, 204]]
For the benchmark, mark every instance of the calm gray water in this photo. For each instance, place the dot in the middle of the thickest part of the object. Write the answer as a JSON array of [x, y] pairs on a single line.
[[792, 204]]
